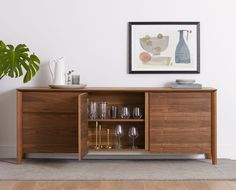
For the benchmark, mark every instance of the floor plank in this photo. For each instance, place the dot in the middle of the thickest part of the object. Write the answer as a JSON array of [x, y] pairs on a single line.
[[164, 185], [232, 184], [114, 185], [196, 185], [218, 185], [6, 185], [130, 185], [82, 185], [118, 185]]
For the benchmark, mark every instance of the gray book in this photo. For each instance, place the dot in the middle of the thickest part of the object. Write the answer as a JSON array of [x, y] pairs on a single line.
[[194, 85]]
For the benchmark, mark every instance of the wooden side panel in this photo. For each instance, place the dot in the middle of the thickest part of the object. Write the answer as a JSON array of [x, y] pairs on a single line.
[[62, 102], [180, 122], [147, 121], [19, 151], [213, 127], [50, 133], [82, 125]]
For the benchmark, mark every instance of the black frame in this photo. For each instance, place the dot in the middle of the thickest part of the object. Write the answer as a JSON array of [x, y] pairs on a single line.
[[130, 24]]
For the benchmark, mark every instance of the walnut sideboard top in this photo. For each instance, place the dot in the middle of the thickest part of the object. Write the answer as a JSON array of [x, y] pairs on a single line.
[[125, 89]]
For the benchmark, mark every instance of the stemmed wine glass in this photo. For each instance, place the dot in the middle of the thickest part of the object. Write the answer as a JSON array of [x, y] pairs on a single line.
[[133, 134], [119, 132]]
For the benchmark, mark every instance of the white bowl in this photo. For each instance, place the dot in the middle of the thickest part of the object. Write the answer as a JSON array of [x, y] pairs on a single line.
[[155, 45]]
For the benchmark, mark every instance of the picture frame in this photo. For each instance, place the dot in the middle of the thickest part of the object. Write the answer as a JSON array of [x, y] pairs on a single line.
[[164, 47]]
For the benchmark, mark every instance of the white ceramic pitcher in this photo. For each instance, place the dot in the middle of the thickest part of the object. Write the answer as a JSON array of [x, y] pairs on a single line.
[[58, 73]]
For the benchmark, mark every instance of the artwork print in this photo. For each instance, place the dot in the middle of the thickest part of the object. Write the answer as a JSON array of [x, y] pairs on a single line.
[[164, 47]]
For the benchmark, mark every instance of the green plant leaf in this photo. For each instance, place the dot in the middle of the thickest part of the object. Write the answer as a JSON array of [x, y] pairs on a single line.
[[2, 45], [14, 60], [27, 76]]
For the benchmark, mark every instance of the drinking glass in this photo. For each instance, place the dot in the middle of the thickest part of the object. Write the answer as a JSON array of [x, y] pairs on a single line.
[[92, 110], [125, 114], [103, 110], [114, 110], [137, 114], [75, 79], [119, 132], [133, 134]]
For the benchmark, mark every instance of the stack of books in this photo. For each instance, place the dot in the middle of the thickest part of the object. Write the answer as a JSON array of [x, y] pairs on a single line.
[[185, 83]]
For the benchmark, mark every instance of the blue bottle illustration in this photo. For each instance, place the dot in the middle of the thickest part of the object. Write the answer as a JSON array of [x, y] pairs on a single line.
[[182, 53]]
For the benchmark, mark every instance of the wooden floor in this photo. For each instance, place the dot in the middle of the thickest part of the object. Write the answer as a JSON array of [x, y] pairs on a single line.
[[118, 185]]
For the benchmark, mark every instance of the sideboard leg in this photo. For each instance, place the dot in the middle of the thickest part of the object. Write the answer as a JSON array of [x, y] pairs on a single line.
[[214, 160], [18, 160], [213, 128], [19, 129]]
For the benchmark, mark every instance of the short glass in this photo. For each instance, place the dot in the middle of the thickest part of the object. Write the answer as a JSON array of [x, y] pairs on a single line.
[[75, 80], [125, 113], [137, 113], [103, 110], [92, 110], [114, 112]]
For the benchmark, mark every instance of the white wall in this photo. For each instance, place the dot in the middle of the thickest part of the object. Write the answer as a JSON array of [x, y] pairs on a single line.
[[92, 35]]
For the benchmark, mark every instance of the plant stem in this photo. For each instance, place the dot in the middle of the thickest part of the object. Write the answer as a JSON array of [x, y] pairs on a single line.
[[119, 146], [133, 147]]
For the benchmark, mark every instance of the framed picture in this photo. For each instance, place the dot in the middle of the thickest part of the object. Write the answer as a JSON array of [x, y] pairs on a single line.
[[164, 47]]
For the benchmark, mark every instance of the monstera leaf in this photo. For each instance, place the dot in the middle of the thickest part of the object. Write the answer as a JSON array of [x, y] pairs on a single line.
[[14, 62]]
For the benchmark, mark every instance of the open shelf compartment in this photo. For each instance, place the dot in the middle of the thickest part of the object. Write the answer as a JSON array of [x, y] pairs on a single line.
[[118, 99]]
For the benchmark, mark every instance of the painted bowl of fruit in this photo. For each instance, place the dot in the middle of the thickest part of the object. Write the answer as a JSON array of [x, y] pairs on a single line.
[[154, 45]]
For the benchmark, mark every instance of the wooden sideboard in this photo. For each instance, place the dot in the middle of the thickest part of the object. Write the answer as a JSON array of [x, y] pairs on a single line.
[[175, 121]]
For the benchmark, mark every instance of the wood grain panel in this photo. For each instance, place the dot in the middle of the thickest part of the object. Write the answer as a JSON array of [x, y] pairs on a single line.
[[181, 135], [147, 112], [177, 98], [82, 125], [19, 147], [179, 148], [50, 148], [213, 127], [195, 122], [180, 122], [120, 98], [64, 102], [50, 133]]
